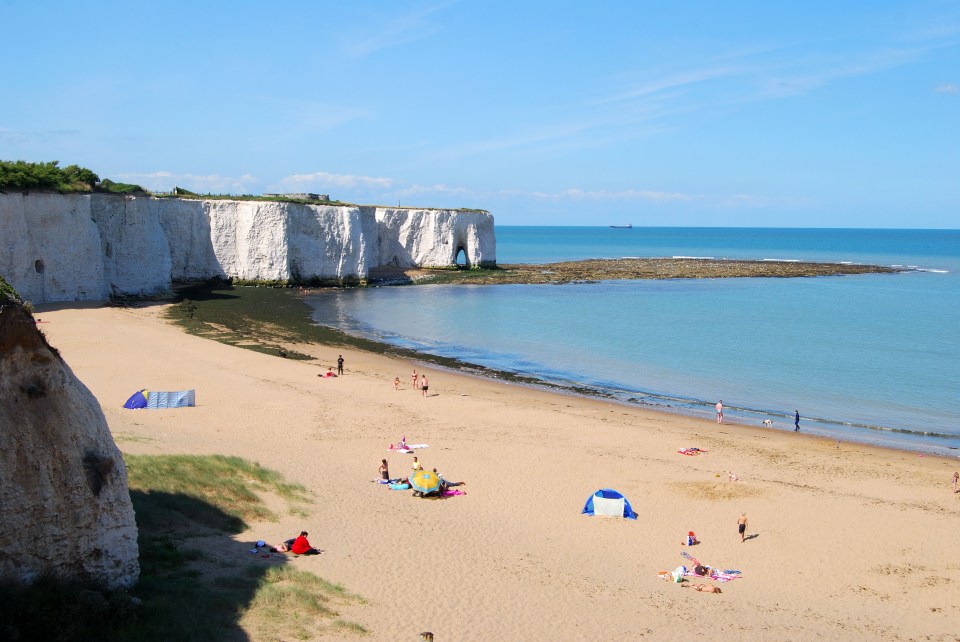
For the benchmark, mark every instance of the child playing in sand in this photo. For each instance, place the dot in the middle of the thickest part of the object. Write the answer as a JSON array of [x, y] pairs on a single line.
[[396, 383]]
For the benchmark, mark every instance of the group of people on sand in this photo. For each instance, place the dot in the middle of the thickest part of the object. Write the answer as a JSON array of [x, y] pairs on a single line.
[[298, 545], [417, 382], [329, 373], [796, 417], [445, 484]]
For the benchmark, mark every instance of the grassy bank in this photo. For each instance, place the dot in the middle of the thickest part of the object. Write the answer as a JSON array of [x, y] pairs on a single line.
[[185, 505]]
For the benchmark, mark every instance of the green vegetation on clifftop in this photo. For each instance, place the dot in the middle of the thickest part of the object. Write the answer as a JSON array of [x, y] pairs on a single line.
[[21, 175]]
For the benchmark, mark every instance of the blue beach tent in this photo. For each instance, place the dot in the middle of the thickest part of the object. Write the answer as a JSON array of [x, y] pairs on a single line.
[[154, 400], [609, 503], [137, 400]]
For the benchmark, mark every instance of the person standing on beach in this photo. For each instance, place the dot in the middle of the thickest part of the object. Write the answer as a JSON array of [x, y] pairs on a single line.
[[742, 527], [340, 365], [423, 385], [720, 411], [796, 421], [956, 481], [384, 469], [413, 379]]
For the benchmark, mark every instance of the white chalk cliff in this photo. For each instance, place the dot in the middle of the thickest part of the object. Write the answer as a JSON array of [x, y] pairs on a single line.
[[82, 247], [64, 502]]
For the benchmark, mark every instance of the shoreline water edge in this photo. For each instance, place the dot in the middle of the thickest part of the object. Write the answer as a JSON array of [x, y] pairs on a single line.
[[345, 332], [864, 358], [819, 427]]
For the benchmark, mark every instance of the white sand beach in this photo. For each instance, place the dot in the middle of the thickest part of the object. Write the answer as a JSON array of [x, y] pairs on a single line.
[[844, 543]]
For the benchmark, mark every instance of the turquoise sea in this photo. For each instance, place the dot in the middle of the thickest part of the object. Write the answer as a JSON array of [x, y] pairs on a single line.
[[872, 358]]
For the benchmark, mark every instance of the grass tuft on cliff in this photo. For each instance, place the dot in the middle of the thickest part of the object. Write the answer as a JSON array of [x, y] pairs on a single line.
[[7, 291]]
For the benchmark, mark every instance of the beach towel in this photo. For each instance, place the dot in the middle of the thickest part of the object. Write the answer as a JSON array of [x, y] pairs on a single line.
[[399, 486], [717, 577], [407, 449], [725, 577], [693, 452], [452, 492], [720, 576], [690, 557]]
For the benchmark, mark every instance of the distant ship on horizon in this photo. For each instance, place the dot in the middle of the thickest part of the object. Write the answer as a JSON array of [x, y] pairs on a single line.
[[628, 226]]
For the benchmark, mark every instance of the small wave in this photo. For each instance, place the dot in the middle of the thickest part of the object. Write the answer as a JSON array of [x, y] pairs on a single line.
[[932, 270], [783, 260], [707, 258]]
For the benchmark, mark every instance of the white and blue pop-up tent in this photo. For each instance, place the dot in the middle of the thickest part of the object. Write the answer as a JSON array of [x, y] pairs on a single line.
[[609, 503]]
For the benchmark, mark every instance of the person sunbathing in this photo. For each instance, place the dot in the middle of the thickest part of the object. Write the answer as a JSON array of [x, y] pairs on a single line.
[[703, 588], [446, 483], [298, 546]]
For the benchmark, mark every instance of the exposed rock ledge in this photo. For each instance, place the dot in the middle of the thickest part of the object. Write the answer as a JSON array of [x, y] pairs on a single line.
[[614, 269]]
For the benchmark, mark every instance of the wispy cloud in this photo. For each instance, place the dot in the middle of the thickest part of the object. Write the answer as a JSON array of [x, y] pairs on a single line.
[[625, 195], [947, 88], [17, 137], [415, 190], [326, 180], [394, 31], [811, 74], [676, 80], [209, 184], [388, 189]]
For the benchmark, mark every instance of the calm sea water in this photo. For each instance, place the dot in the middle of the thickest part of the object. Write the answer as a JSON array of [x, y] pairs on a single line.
[[872, 358]]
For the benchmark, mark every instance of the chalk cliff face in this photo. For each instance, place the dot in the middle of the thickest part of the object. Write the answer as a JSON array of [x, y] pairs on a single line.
[[89, 247], [434, 238], [64, 503]]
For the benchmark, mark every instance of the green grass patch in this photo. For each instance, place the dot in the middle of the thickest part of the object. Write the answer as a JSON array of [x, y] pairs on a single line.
[[184, 592], [126, 437], [230, 485]]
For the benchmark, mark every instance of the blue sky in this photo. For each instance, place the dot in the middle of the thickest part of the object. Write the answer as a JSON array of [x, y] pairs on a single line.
[[812, 114]]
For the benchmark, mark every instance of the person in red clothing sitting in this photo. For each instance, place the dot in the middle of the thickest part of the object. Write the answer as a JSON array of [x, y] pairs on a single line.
[[299, 545]]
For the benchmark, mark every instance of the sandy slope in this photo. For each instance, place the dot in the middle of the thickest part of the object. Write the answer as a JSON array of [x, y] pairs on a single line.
[[850, 543]]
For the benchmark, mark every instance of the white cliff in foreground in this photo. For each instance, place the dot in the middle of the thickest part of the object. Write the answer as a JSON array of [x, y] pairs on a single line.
[[88, 247], [64, 500]]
